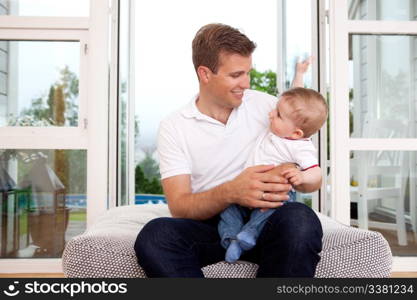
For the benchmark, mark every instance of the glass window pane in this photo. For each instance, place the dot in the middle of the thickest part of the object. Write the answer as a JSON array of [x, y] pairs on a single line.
[[297, 44], [382, 84], [399, 10], [383, 196], [45, 8], [156, 97], [43, 201], [39, 83], [125, 48]]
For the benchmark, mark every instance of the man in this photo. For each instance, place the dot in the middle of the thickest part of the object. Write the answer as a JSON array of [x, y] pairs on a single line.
[[202, 150]]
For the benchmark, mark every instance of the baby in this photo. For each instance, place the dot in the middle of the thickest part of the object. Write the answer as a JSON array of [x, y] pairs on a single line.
[[299, 114]]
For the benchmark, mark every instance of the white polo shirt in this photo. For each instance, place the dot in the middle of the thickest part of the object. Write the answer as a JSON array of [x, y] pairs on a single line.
[[190, 142], [274, 150]]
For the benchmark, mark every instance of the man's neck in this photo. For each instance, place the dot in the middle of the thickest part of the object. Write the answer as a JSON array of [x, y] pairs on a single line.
[[211, 108]]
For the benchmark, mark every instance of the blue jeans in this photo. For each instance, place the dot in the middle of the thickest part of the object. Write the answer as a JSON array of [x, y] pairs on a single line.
[[288, 246], [234, 219]]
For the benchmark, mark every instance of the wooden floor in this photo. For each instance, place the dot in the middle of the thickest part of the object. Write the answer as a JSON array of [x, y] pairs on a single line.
[[61, 275]]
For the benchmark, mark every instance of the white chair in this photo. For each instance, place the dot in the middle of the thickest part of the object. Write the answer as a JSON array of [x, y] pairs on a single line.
[[381, 175]]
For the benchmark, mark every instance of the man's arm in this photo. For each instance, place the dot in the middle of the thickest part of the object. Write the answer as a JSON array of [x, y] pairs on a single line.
[[247, 189]]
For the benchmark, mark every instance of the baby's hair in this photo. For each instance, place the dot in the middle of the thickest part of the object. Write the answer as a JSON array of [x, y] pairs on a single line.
[[309, 109]]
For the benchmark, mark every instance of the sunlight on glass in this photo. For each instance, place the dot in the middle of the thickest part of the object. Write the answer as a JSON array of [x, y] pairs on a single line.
[[39, 83], [43, 8], [164, 73], [398, 10], [43, 201], [382, 86]]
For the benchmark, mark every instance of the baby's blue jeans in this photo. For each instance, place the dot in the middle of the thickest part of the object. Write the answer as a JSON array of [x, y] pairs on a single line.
[[232, 221]]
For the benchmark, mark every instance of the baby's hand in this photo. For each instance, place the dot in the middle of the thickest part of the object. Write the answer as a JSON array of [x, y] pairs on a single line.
[[294, 176], [302, 67]]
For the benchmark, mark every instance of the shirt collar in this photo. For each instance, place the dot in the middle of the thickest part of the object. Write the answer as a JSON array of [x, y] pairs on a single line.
[[191, 110]]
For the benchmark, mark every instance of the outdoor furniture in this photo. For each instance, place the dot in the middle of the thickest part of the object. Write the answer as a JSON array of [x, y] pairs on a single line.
[[106, 249], [382, 175]]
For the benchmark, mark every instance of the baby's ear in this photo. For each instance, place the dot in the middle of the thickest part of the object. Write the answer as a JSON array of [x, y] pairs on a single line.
[[297, 134]]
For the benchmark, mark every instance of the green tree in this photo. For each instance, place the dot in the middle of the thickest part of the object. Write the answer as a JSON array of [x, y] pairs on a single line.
[[147, 178], [42, 108], [50, 102], [144, 185], [59, 108], [70, 87], [38, 111], [264, 81], [149, 167], [61, 161]]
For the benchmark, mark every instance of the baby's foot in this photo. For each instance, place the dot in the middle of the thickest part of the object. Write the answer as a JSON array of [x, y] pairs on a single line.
[[246, 240], [233, 252]]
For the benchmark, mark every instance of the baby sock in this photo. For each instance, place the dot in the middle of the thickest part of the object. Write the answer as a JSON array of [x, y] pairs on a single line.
[[246, 240], [233, 252]]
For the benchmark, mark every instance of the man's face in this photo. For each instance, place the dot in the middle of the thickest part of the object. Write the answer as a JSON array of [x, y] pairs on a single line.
[[281, 123], [232, 78]]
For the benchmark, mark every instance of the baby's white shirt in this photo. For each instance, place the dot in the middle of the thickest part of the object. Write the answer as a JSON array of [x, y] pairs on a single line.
[[274, 150]]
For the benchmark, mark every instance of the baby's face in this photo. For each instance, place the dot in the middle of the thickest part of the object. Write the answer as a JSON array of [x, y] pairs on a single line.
[[281, 123]]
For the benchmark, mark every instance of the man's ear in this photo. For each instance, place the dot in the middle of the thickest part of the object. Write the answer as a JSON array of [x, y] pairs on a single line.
[[204, 74]]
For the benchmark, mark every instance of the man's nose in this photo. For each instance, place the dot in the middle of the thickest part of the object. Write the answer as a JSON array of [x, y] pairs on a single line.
[[245, 83]]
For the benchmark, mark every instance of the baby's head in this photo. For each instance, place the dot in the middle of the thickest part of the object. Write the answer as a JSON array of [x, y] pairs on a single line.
[[299, 114]]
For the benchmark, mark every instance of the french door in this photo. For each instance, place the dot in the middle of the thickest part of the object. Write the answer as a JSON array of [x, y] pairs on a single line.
[[373, 142], [53, 128]]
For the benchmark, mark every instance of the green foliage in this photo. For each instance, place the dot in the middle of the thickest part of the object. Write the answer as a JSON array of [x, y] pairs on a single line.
[[50, 102], [59, 108], [264, 81], [69, 83], [149, 167], [42, 108], [143, 185], [38, 111]]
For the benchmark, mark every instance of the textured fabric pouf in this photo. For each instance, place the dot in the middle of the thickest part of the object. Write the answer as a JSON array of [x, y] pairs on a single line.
[[106, 249]]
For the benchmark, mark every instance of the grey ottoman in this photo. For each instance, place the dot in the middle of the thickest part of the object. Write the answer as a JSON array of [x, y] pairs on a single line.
[[106, 249]]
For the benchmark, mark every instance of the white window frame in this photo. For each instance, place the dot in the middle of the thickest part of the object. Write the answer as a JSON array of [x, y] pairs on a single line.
[[318, 77], [115, 155], [50, 137], [340, 142], [92, 131]]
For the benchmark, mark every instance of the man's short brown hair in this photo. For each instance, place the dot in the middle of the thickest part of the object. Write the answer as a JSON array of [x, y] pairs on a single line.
[[309, 109], [213, 39]]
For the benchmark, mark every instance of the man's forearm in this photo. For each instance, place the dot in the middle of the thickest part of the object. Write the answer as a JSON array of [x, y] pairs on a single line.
[[201, 206], [255, 187]]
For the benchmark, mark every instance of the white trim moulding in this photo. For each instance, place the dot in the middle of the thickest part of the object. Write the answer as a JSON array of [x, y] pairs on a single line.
[[65, 23]]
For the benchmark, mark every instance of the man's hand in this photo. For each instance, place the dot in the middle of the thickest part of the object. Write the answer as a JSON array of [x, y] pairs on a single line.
[[259, 187], [294, 176]]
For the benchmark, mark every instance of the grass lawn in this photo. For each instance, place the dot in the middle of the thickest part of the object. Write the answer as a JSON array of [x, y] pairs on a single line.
[[78, 216]]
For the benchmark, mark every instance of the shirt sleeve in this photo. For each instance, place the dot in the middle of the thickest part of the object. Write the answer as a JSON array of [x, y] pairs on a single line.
[[306, 155], [172, 158]]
